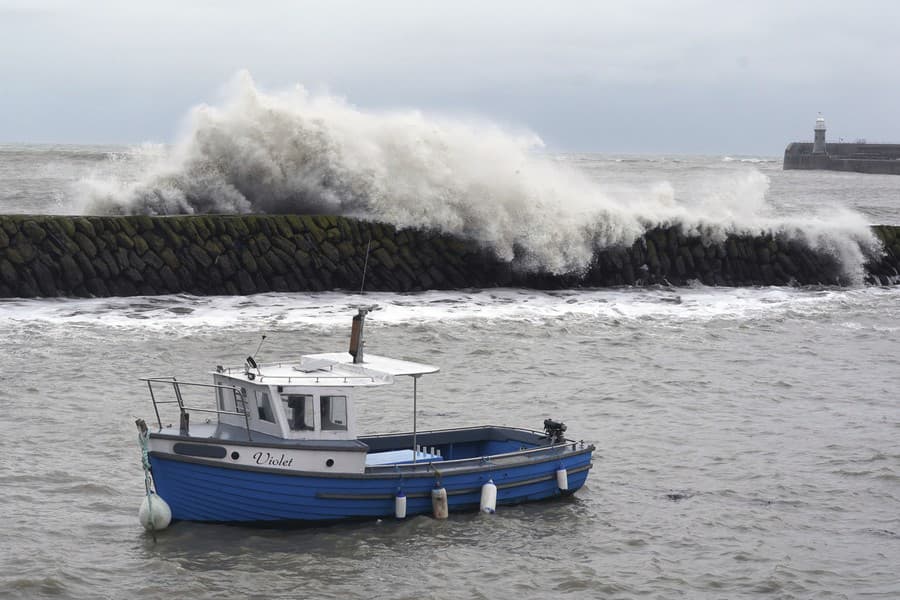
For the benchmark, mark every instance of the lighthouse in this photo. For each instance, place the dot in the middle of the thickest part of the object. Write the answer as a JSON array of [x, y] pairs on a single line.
[[819, 140]]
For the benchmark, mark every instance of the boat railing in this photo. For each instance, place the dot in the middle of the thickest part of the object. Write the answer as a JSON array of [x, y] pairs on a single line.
[[240, 400]]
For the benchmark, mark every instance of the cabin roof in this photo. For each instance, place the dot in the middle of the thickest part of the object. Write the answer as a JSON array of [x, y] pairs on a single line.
[[334, 369], [373, 362]]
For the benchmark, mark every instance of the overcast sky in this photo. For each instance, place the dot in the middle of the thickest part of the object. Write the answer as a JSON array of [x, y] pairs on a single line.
[[655, 76]]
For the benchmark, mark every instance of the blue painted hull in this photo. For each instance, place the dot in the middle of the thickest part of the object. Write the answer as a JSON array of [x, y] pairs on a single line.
[[197, 491]]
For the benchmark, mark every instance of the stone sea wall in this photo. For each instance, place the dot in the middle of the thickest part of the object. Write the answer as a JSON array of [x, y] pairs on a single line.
[[246, 254]]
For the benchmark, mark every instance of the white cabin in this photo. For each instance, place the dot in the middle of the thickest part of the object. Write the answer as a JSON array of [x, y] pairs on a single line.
[[310, 399]]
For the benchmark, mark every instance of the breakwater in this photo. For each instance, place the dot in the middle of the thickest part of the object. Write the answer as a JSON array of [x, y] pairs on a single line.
[[246, 254], [842, 156]]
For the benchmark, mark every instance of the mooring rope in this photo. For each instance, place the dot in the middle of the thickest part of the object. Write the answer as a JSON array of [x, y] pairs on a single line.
[[144, 441]]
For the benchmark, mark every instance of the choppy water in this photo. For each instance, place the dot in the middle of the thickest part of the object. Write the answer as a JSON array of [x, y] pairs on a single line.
[[747, 445], [748, 439]]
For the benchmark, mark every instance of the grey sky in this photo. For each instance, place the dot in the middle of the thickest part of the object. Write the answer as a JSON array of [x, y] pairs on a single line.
[[649, 76]]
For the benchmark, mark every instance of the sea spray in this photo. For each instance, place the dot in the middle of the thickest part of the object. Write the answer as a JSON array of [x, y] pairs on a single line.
[[298, 152]]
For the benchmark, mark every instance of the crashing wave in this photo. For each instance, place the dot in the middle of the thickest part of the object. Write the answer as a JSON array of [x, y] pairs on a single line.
[[298, 152]]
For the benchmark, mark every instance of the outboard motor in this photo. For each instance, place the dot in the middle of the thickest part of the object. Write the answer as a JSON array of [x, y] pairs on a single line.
[[555, 431]]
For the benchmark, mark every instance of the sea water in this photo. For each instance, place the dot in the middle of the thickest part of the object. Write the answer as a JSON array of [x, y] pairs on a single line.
[[748, 439]]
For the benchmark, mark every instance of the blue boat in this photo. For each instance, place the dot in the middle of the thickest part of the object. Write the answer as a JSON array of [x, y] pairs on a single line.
[[278, 444]]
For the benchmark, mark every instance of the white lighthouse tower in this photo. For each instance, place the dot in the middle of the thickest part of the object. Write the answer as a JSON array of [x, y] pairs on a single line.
[[819, 140]]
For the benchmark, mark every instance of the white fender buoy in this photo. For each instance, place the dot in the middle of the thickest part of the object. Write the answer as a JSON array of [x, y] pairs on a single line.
[[489, 497], [562, 479], [439, 503], [160, 511], [400, 505]]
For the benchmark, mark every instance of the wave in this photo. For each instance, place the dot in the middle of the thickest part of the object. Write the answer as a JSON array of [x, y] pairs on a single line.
[[182, 315], [298, 152], [750, 159]]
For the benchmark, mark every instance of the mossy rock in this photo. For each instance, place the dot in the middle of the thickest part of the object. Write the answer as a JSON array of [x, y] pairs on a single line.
[[101, 268], [128, 226], [265, 267], [99, 224], [155, 241], [408, 257], [262, 243], [324, 221], [153, 259], [140, 244], [199, 229], [213, 248], [86, 245], [9, 225], [176, 224], [384, 258], [135, 261], [249, 261], [226, 265], [124, 240], [346, 229], [86, 266], [278, 265], [245, 283], [8, 272], [84, 226], [296, 223], [107, 240], [34, 231], [200, 255], [331, 252], [133, 275], [347, 249], [283, 244], [169, 258], [111, 262], [281, 225], [144, 223], [303, 258], [389, 245], [316, 232], [173, 239], [70, 270], [4, 239], [169, 280], [44, 278], [22, 252], [121, 256], [236, 228]]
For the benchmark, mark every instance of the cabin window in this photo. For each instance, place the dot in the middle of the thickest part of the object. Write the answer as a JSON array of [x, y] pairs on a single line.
[[299, 409], [264, 407], [334, 413], [221, 397]]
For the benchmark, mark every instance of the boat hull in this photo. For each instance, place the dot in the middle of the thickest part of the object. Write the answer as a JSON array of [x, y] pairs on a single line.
[[200, 490]]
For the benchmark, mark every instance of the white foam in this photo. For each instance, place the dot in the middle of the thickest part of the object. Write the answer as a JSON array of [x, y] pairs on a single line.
[[187, 315], [294, 151]]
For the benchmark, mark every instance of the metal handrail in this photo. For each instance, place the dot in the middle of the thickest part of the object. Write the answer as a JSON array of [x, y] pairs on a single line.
[[239, 395]]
